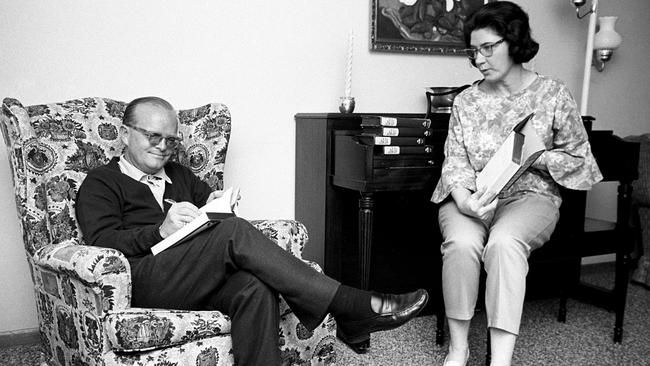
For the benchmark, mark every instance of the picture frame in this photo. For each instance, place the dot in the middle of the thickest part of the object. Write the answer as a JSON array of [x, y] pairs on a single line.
[[420, 26]]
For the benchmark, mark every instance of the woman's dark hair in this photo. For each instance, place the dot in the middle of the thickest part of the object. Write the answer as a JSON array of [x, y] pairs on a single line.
[[129, 112], [510, 22]]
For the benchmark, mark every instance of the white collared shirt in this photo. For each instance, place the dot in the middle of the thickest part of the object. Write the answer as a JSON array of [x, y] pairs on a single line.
[[155, 182]]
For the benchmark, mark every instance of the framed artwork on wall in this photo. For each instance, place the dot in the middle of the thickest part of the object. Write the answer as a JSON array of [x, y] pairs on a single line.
[[420, 26]]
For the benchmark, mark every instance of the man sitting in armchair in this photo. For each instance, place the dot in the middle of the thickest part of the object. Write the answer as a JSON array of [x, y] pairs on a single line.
[[231, 267]]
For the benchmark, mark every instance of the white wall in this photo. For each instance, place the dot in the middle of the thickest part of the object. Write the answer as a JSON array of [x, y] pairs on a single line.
[[267, 60]]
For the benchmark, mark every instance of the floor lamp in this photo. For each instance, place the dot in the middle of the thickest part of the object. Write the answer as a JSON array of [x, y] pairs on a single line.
[[602, 44]]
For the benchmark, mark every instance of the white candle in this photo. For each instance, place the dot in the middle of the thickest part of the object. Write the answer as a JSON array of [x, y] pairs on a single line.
[[348, 66]]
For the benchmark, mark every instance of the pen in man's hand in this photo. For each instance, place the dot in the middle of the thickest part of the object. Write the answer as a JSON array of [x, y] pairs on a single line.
[[170, 201]]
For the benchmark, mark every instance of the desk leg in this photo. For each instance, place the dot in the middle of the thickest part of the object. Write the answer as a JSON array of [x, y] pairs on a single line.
[[366, 205]]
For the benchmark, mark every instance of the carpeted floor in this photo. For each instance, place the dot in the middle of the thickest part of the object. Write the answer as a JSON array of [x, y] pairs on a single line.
[[585, 339], [27, 355]]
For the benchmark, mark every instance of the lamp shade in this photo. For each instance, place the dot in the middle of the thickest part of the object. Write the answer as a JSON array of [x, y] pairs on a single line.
[[607, 38]]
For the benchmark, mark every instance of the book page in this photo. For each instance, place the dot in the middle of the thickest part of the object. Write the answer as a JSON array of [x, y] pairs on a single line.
[[195, 226], [532, 142], [223, 204], [499, 165], [520, 149]]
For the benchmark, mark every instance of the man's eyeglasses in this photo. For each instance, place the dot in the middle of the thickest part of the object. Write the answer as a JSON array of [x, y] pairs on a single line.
[[155, 138], [485, 50]]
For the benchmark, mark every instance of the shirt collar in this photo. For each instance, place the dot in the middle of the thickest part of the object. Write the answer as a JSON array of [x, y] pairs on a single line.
[[129, 169]]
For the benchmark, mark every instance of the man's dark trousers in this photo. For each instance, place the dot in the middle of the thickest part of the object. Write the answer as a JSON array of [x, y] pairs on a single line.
[[236, 269]]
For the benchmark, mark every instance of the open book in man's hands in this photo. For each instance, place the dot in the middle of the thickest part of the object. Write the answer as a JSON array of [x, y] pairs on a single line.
[[214, 211], [518, 152]]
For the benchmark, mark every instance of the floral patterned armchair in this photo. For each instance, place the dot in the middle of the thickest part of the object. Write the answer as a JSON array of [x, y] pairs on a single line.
[[83, 293]]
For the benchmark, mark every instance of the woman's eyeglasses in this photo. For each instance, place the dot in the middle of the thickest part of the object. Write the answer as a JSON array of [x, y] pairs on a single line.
[[485, 50], [155, 138]]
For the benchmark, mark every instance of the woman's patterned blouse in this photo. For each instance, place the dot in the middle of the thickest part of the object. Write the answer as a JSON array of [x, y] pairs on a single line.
[[480, 122]]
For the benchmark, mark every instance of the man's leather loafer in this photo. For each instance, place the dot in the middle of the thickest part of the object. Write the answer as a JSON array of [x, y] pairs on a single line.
[[395, 311]]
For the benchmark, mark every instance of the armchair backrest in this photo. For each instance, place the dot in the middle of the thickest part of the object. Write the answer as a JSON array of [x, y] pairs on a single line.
[[51, 148]]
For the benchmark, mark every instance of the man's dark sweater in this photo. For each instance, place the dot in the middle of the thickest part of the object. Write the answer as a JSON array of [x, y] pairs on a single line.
[[121, 213], [116, 211]]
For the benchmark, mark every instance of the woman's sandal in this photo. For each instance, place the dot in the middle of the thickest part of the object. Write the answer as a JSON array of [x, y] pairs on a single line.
[[456, 363]]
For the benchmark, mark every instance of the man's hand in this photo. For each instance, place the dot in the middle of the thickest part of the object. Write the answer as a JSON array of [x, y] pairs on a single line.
[[480, 204], [214, 195], [234, 200], [178, 215]]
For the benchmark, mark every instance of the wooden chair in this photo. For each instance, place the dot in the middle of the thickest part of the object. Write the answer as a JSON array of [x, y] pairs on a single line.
[[618, 161]]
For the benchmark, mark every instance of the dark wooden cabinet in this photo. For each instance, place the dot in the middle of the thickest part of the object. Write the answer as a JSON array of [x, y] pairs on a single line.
[[370, 220]]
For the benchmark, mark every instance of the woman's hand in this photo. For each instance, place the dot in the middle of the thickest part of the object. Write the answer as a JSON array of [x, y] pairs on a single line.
[[178, 215], [480, 204]]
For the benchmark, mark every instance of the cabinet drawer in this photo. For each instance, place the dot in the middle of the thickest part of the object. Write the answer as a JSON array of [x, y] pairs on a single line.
[[402, 161], [358, 166]]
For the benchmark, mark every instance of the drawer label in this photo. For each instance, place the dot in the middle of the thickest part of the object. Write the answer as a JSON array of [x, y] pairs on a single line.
[[388, 121]]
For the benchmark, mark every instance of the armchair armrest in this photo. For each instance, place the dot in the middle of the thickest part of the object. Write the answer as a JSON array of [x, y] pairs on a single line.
[[140, 329], [105, 271], [291, 235]]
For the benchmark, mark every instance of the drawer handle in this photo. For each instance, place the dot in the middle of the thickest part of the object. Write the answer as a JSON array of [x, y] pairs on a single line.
[[430, 162]]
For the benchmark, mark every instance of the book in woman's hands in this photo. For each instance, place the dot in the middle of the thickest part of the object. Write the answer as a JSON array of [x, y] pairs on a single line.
[[213, 212], [518, 152]]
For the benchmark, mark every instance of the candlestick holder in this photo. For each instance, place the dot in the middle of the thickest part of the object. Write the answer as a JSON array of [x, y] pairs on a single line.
[[347, 105]]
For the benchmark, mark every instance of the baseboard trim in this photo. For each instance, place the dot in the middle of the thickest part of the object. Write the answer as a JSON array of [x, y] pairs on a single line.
[[20, 337]]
